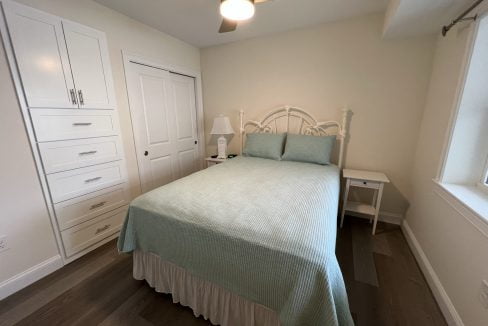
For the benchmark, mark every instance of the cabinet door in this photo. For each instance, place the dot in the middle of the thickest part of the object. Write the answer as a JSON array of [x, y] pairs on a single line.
[[90, 65], [38, 42]]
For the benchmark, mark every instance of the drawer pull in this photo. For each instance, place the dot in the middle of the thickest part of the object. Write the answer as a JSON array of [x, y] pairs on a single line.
[[73, 96], [82, 123], [87, 153], [80, 95], [104, 228], [97, 205], [364, 182], [92, 179]]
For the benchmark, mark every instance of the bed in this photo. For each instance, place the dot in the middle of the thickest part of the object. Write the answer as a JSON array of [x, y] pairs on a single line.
[[250, 241]]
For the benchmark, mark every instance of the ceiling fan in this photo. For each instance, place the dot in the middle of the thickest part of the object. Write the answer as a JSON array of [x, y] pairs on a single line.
[[234, 11]]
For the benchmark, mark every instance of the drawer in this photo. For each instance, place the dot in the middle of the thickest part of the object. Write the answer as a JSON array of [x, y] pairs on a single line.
[[81, 209], [89, 233], [365, 184], [55, 124], [72, 154], [74, 183]]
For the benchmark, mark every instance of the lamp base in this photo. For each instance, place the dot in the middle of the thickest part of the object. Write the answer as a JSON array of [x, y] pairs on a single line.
[[222, 147]]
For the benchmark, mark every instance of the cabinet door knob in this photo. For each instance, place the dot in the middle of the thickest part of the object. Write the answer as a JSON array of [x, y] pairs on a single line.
[[146, 153]]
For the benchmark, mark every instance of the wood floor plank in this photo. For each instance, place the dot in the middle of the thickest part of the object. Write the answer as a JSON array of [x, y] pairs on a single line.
[[344, 254], [161, 311], [380, 244], [99, 289], [102, 292], [362, 248], [44, 291], [26, 293], [409, 286], [127, 314]]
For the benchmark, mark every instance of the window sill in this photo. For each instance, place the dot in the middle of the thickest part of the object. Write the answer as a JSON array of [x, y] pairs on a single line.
[[469, 201]]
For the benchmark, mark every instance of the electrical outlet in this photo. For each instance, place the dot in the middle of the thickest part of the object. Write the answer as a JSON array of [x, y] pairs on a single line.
[[484, 294], [3, 243]]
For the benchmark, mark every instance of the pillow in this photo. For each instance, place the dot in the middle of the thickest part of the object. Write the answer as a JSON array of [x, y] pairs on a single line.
[[311, 149], [264, 145]]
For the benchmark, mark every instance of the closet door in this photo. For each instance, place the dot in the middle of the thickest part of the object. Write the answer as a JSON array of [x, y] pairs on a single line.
[[41, 55], [183, 88], [88, 56], [152, 117], [163, 112]]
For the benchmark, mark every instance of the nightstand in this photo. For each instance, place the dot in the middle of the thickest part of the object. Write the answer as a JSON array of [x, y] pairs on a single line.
[[364, 179], [212, 161]]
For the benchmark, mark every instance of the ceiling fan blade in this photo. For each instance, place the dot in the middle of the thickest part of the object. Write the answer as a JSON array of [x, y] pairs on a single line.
[[227, 26]]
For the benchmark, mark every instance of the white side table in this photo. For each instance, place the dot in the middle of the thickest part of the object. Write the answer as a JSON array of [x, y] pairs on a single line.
[[212, 161], [364, 179]]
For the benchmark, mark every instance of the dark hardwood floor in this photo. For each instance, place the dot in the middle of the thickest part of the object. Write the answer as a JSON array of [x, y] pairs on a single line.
[[384, 284]]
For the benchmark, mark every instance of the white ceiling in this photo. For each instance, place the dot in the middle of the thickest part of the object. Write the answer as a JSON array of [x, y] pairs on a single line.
[[197, 21], [415, 17]]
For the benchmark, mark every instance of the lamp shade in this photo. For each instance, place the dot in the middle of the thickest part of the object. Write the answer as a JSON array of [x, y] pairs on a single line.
[[221, 126]]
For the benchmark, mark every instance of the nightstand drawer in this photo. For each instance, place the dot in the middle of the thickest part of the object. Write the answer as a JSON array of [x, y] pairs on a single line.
[[365, 184]]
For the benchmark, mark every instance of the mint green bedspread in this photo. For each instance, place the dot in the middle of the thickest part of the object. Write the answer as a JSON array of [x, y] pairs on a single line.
[[263, 229]]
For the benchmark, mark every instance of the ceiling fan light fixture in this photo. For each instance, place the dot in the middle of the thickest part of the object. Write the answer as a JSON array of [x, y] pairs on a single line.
[[237, 10]]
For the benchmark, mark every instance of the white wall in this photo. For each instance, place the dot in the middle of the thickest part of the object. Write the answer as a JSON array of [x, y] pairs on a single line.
[[23, 214], [320, 69], [456, 249]]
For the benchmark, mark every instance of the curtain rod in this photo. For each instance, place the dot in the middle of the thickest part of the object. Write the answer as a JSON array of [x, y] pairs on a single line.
[[462, 17]]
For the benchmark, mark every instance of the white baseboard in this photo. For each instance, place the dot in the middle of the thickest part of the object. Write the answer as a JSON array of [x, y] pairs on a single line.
[[440, 294], [387, 217], [29, 276]]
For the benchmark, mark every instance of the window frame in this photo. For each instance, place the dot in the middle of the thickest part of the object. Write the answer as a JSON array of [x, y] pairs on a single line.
[[448, 138], [483, 184], [466, 198]]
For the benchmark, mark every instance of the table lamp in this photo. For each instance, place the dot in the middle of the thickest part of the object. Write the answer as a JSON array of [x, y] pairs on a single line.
[[221, 126]]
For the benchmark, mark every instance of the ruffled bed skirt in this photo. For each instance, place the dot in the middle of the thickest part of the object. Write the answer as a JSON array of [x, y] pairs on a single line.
[[206, 299]]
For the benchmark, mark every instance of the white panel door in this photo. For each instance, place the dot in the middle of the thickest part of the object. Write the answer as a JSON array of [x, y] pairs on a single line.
[[41, 55], [183, 88], [164, 125], [90, 65]]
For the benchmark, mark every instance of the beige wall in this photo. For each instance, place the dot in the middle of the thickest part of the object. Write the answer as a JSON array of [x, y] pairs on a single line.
[[320, 69], [24, 217], [456, 249]]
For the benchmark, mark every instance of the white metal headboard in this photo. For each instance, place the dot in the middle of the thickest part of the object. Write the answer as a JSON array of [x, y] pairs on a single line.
[[297, 121]]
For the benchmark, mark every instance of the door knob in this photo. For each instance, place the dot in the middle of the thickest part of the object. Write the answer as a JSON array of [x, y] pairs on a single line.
[[146, 153]]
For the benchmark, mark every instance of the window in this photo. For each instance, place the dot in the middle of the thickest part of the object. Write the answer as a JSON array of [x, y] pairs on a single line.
[[464, 173]]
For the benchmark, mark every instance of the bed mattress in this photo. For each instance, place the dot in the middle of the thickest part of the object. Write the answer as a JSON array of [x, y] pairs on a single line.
[[262, 229]]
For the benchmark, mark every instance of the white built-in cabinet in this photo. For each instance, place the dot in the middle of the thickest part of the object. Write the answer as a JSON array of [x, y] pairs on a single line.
[[65, 87], [62, 64]]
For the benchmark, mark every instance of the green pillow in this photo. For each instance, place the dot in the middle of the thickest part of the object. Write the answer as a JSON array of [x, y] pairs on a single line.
[[311, 149], [264, 145]]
